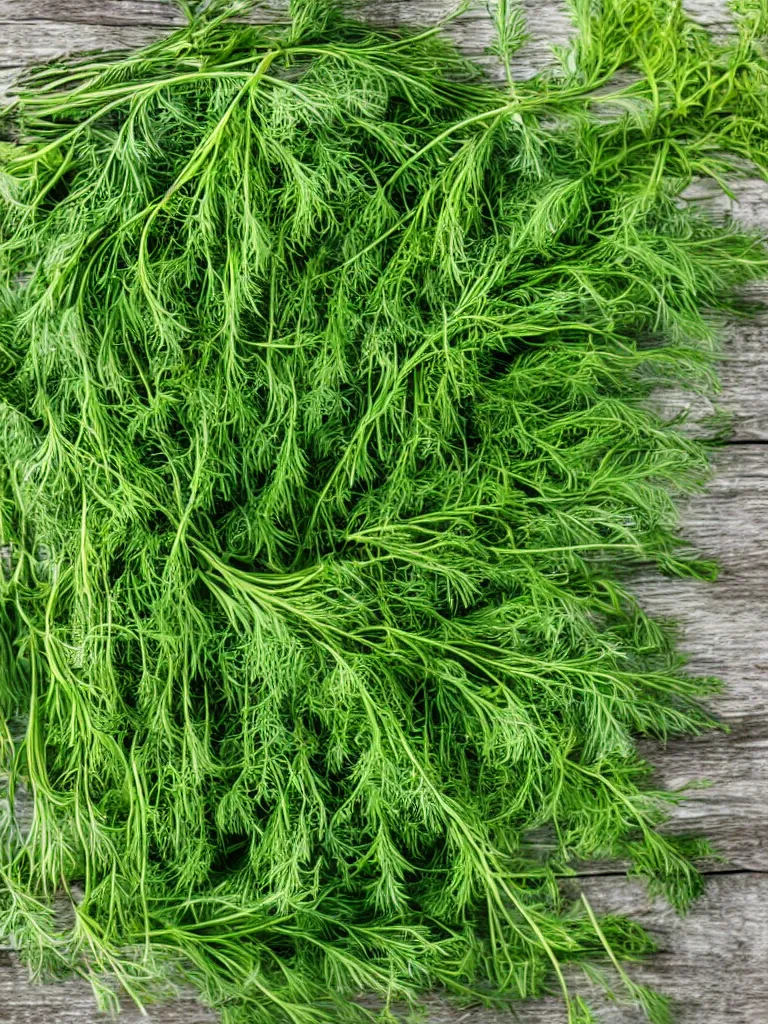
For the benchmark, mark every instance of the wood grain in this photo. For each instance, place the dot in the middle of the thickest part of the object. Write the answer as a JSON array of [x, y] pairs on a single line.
[[42, 29], [723, 630], [715, 963]]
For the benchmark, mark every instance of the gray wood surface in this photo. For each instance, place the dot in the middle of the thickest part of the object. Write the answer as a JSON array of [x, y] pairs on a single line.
[[715, 962]]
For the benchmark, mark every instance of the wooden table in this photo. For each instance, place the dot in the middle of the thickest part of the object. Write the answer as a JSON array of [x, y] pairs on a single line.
[[715, 962]]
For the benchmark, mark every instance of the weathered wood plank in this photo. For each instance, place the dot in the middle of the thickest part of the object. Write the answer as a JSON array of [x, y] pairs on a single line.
[[714, 14], [724, 632], [160, 13], [42, 29], [34, 31], [728, 520], [26, 42], [714, 964], [71, 1002]]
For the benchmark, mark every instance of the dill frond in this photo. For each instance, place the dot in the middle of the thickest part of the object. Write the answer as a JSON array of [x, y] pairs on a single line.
[[326, 459]]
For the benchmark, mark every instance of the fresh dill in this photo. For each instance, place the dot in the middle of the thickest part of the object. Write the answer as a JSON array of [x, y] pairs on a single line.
[[326, 460]]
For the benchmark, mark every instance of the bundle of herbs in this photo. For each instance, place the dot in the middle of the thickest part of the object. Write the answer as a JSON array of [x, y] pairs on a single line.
[[326, 460]]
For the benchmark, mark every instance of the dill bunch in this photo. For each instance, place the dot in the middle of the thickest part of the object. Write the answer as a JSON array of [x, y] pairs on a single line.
[[326, 461]]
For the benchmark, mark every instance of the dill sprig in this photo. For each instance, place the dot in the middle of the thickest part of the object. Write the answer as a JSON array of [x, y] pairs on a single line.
[[326, 459]]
